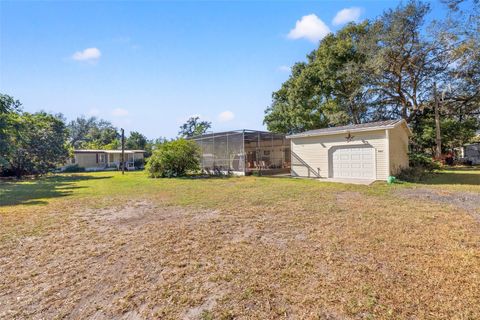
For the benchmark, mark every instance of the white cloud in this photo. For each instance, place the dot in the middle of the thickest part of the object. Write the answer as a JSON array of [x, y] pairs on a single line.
[[347, 15], [89, 54], [310, 27], [284, 68], [226, 116], [119, 112]]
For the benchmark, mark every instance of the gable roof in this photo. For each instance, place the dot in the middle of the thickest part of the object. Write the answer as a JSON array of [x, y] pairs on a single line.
[[369, 126]]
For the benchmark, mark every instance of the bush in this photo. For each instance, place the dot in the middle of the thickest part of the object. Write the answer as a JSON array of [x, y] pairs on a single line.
[[423, 161], [74, 168], [420, 165], [174, 159], [412, 174]]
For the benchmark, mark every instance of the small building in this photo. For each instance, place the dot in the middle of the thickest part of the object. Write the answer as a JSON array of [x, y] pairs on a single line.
[[470, 153], [368, 151], [94, 160], [243, 152]]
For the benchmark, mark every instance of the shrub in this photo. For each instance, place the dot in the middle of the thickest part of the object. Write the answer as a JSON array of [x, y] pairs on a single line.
[[412, 174], [174, 159], [73, 168], [421, 160], [420, 165]]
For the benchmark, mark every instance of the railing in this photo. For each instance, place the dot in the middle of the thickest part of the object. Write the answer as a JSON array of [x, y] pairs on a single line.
[[304, 164]]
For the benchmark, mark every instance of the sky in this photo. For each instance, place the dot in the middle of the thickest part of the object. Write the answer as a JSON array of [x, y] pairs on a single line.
[[148, 66]]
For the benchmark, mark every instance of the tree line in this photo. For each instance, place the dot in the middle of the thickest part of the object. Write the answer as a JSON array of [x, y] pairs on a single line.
[[36, 143], [393, 67]]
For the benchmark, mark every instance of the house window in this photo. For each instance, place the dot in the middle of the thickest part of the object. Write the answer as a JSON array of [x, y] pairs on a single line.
[[101, 158]]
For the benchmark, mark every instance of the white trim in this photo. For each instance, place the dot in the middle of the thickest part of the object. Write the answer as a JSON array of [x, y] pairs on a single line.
[[387, 149], [331, 133]]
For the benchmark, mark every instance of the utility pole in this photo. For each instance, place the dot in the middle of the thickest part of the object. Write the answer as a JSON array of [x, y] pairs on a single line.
[[123, 151], [438, 137]]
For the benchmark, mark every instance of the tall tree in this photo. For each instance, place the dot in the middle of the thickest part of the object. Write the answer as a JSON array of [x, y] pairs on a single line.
[[136, 141], [93, 133], [193, 127], [9, 111], [404, 61], [459, 35], [328, 90], [38, 144]]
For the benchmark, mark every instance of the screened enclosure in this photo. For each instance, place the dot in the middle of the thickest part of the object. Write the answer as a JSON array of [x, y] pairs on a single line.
[[244, 152]]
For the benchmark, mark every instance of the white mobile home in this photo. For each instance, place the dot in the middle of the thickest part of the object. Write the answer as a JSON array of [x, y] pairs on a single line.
[[93, 160]]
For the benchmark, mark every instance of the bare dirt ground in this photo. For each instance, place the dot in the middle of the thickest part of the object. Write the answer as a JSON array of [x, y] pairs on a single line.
[[350, 255], [468, 201]]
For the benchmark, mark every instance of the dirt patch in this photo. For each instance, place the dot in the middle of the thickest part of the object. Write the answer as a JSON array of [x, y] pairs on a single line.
[[467, 201], [135, 214]]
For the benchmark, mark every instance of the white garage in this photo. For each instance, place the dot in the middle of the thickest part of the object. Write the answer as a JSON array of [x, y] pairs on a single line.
[[368, 151]]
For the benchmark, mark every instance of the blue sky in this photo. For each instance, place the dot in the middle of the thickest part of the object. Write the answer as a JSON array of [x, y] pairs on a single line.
[[147, 66]]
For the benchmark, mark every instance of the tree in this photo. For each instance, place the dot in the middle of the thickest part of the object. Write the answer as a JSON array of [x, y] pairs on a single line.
[[386, 69], [152, 145], [459, 35], [136, 141], [194, 127], [454, 132], [327, 90], [9, 109], [405, 62], [38, 143], [92, 133], [174, 159]]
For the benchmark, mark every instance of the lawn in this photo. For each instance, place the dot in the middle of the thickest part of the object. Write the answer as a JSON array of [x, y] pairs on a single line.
[[103, 246]]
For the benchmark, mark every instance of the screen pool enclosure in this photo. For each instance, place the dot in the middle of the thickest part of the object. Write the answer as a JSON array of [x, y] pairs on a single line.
[[244, 152]]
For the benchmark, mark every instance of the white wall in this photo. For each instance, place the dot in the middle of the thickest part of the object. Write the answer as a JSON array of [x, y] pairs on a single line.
[[398, 137], [310, 154]]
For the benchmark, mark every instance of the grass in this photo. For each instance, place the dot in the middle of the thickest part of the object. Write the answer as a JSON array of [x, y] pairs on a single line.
[[461, 176], [107, 245]]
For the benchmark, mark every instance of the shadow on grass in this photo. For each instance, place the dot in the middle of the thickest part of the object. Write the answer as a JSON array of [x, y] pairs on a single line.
[[36, 191], [465, 178]]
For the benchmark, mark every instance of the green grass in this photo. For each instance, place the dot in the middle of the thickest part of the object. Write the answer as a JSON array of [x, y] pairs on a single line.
[[463, 176], [201, 192]]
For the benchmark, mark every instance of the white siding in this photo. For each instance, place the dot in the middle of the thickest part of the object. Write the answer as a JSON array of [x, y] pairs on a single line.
[[86, 160], [398, 149], [310, 155]]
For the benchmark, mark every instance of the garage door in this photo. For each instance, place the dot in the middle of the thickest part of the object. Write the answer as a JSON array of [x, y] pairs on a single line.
[[354, 163]]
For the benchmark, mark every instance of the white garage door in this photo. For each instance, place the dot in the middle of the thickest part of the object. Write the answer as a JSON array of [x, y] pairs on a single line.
[[354, 163]]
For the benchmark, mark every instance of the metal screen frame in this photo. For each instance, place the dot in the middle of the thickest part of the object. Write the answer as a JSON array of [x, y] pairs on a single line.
[[242, 152]]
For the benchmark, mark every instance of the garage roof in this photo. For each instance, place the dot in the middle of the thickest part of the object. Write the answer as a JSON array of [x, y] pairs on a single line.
[[369, 126]]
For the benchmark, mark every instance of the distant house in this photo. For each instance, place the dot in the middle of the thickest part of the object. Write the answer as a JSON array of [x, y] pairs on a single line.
[[367, 151], [94, 160]]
